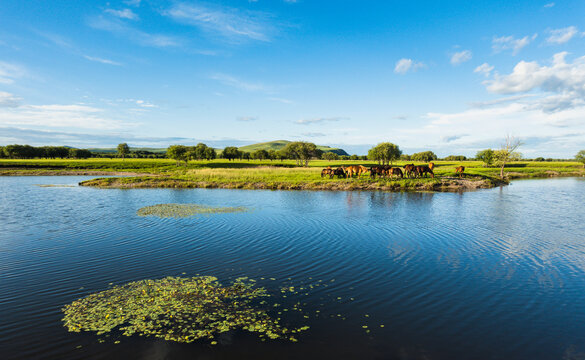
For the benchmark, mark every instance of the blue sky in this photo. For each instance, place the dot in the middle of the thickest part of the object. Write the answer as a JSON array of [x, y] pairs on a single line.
[[453, 77]]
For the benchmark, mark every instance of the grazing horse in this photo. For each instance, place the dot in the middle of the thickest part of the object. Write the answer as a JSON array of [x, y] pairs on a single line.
[[431, 166], [459, 170], [355, 169], [409, 170], [423, 170], [327, 171], [376, 170], [339, 172], [395, 171]]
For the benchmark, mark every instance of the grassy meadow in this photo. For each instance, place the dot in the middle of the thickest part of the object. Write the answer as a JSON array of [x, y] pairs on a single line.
[[266, 174]]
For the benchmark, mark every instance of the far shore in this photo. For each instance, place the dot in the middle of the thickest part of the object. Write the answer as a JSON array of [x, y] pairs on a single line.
[[278, 175]]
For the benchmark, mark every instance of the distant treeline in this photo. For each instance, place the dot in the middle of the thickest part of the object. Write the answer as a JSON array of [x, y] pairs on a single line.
[[64, 152], [300, 151]]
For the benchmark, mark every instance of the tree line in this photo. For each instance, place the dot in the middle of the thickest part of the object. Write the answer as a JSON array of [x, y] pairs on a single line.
[[47, 152], [302, 152]]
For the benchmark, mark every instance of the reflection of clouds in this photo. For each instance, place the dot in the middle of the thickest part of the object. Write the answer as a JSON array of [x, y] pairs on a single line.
[[356, 203]]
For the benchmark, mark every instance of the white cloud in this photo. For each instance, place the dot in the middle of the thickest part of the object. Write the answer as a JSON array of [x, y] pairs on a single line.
[[313, 134], [281, 100], [484, 69], [405, 65], [483, 104], [9, 100], [246, 118], [9, 72], [230, 23], [560, 77], [65, 116], [122, 14], [238, 83], [145, 104], [561, 36], [549, 5], [319, 120], [143, 38], [132, 2], [461, 57], [547, 107], [103, 61], [502, 43]]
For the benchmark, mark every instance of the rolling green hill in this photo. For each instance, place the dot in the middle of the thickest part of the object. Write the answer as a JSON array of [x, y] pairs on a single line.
[[279, 144], [271, 145]]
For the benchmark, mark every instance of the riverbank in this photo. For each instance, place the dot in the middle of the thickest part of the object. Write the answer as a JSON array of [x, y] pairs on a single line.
[[278, 175], [429, 184]]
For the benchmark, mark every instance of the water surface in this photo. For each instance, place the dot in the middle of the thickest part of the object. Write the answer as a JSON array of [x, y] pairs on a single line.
[[490, 274]]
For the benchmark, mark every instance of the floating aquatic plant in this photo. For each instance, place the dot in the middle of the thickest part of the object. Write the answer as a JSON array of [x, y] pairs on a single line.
[[178, 309], [185, 210]]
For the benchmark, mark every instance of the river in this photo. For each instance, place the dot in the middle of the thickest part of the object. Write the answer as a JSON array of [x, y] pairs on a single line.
[[488, 274]]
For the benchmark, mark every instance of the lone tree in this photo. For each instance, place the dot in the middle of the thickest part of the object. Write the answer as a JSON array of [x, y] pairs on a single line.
[[301, 151], [384, 153], [178, 153], [123, 150], [580, 157], [487, 156], [507, 153]]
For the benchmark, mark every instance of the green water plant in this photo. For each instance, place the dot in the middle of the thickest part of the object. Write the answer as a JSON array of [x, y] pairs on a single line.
[[178, 309], [185, 210]]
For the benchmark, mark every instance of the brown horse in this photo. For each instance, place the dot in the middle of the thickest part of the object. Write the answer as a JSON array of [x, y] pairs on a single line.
[[339, 172], [376, 170], [421, 170], [395, 171], [355, 169], [327, 171], [409, 170], [431, 166], [459, 170]]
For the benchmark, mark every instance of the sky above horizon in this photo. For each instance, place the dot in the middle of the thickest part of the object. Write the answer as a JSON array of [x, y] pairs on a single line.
[[453, 77]]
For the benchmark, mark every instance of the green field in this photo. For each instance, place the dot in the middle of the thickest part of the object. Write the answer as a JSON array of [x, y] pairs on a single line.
[[266, 174]]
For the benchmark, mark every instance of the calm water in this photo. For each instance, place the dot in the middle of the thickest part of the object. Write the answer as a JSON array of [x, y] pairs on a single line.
[[492, 274]]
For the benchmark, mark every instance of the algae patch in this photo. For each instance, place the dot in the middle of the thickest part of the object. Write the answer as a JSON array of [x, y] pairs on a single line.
[[185, 210], [178, 309]]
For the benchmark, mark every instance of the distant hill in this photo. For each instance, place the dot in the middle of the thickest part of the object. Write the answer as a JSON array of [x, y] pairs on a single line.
[[115, 150], [280, 144]]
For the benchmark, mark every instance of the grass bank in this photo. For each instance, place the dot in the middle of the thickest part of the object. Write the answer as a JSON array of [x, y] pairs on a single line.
[[163, 173]]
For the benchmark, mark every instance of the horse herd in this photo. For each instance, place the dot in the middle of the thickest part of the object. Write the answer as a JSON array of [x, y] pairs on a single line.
[[410, 171]]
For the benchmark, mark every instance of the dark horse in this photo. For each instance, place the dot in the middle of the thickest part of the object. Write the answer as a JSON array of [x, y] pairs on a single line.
[[395, 171], [339, 172], [421, 170], [327, 171], [376, 170], [409, 170]]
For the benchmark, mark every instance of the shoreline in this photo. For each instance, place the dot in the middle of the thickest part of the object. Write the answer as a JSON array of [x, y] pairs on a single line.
[[144, 175], [444, 184], [20, 172]]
